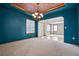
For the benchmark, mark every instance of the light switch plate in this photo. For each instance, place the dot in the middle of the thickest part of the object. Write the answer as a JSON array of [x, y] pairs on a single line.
[[73, 38]]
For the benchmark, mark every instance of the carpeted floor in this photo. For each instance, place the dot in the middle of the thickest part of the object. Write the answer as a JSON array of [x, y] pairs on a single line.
[[38, 47]]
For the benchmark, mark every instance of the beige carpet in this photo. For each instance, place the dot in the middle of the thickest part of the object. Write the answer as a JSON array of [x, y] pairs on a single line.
[[38, 47]]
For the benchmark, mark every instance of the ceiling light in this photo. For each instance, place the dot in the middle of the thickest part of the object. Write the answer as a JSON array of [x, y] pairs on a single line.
[[41, 14], [36, 13]]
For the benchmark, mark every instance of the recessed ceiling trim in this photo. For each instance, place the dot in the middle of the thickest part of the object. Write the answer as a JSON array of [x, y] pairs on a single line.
[[56, 7], [20, 8], [45, 11]]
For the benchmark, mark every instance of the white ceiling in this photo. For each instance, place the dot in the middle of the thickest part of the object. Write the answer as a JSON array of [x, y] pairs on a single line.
[[55, 20]]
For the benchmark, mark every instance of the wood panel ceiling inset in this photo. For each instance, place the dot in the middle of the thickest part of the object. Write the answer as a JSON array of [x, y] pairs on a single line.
[[40, 7]]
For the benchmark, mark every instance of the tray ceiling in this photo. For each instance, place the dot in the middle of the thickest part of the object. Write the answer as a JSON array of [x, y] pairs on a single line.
[[37, 7]]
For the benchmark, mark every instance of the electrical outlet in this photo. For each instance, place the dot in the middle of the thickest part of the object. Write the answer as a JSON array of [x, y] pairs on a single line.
[[65, 27]]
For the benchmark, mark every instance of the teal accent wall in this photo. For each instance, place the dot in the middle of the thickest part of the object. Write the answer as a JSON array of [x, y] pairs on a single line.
[[70, 14], [13, 24], [36, 29], [78, 24]]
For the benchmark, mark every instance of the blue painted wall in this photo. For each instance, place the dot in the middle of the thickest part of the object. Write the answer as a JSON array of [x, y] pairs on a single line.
[[13, 25], [78, 24], [70, 14]]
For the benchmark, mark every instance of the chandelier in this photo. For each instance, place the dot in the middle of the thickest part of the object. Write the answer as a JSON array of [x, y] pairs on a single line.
[[37, 10], [37, 14]]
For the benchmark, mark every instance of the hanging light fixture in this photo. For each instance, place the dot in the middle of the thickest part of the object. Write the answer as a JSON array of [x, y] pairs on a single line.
[[37, 14]]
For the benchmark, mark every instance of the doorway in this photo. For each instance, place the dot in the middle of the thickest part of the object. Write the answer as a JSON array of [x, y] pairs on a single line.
[[52, 28]]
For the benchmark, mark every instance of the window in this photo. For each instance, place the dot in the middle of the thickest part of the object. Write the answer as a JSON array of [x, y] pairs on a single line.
[[52, 28], [30, 26], [55, 27], [48, 27]]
